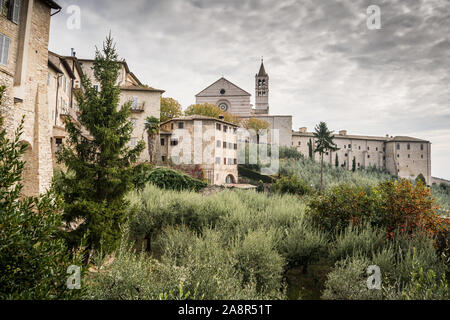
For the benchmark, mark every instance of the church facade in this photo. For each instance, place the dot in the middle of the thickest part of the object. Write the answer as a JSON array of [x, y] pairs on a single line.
[[231, 98]]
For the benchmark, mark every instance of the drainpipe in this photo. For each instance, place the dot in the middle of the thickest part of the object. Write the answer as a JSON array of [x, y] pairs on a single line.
[[57, 90]]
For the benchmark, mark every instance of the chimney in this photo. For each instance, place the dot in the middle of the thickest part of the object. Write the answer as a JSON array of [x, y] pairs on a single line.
[[302, 130], [221, 117], [343, 132], [72, 52]]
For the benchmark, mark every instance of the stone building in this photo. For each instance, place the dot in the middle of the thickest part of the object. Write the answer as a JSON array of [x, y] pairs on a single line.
[[206, 142], [145, 101], [229, 97], [24, 36], [403, 156]]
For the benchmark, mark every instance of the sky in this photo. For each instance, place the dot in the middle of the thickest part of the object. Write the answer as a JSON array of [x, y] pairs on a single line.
[[323, 61]]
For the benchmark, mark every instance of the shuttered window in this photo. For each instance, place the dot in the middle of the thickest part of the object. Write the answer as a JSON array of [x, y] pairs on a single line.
[[16, 10], [4, 49]]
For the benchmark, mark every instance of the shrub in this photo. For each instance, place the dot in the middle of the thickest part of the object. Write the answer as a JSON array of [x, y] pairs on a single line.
[[357, 241], [174, 180], [141, 173], [339, 207], [303, 246], [290, 153], [256, 257], [348, 281], [33, 256], [292, 185]]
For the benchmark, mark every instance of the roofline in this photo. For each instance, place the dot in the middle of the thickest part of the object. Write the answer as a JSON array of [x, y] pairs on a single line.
[[200, 117], [52, 4], [64, 62], [124, 63], [247, 94], [385, 139], [131, 88], [51, 64]]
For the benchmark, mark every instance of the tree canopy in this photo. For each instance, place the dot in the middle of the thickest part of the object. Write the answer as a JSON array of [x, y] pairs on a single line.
[[211, 110], [170, 108]]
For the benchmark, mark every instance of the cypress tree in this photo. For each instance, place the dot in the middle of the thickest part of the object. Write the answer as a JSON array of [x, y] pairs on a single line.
[[98, 158], [354, 164], [336, 162], [310, 146]]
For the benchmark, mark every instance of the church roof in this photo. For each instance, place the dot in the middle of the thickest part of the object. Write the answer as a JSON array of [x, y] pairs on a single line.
[[262, 71], [205, 92]]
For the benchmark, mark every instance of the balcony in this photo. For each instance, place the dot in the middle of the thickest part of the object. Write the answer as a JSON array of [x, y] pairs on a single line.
[[138, 107]]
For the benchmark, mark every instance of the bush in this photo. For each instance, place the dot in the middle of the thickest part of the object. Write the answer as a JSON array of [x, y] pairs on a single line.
[[141, 173], [390, 206], [348, 281], [253, 175], [292, 185], [339, 207], [165, 178], [290, 153], [352, 241], [303, 246], [256, 257], [33, 256]]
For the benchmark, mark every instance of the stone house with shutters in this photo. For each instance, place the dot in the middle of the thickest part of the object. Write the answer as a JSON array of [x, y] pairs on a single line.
[[210, 143], [24, 36]]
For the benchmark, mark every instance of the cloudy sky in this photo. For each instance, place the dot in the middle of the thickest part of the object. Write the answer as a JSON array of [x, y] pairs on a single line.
[[323, 61]]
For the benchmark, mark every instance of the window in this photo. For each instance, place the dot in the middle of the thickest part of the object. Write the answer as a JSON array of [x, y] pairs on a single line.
[[368, 156], [224, 145], [134, 103], [4, 49], [359, 147], [224, 160], [96, 90], [230, 145], [398, 146], [398, 156], [163, 158], [48, 73], [345, 146], [409, 156], [225, 128], [349, 146], [218, 126], [409, 147], [368, 148], [235, 161], [376, 148], [58, 142], [174, 142], [299, 143], [133, 142], [13, 10], [421, 156], [171, 126], [133, 122], [346, 154], [421, 147], [219, 143], [163, 141], [180, 125], [217, 160], [234, 130], [235, 146]]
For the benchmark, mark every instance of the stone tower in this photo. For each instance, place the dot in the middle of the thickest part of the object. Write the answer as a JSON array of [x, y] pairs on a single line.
[[262, 91]]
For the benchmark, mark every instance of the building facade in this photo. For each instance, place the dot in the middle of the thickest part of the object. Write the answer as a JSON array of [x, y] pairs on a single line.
[[405, 157], [231, 98], [202, 141], [24, 37]]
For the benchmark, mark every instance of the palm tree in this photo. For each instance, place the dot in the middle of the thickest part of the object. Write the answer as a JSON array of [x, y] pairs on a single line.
[[324, 142], [152, 128]]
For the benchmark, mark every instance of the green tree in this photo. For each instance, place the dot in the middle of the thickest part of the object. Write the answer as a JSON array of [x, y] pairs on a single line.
[[257, 125], [170, 108], [211, 110], [310, 147], [152, 128], [354, 164], [421, 178], [324, 143], [336, 161], [100, 161], [33, 257]]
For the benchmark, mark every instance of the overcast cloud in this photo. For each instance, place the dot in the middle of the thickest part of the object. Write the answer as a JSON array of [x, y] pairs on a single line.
[[323, 62]]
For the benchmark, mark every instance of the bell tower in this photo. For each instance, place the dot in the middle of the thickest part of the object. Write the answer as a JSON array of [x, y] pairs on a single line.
[[262, 91]]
